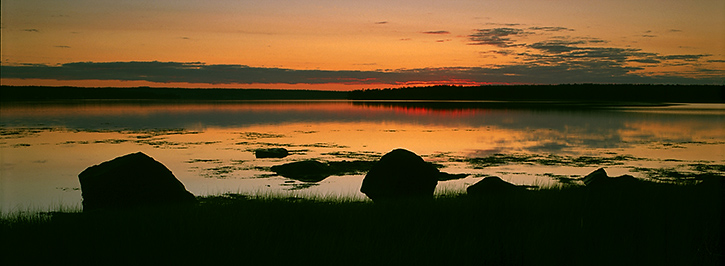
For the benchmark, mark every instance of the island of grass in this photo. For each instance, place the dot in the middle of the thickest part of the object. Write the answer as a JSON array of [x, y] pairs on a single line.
[[659, 224]]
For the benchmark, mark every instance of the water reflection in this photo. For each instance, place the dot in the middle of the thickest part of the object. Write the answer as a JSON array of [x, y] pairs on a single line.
[[208, 146]]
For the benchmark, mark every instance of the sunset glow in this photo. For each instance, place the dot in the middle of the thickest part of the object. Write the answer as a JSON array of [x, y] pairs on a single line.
[[345, 45]]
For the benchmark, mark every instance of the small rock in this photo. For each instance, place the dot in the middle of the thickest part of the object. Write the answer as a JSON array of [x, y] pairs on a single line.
[[271, 153], [493, 185], [306, 171]]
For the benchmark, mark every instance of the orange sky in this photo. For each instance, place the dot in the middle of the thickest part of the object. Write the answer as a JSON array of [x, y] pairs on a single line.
[[408, 42]]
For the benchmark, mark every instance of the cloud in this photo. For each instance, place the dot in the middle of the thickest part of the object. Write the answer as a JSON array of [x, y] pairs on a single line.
[[551, 28], [381, 22], [585, 56], [645, 61], [31, 30], [503, 24], [539, 69], [554, 57], [62, 46], [556, 46], [501, 37], [437, 32], [686, 57], [192, 72]]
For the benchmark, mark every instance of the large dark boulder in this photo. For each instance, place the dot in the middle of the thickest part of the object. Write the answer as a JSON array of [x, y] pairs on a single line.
[[271, 153], [600, 179], [130, 180], [493, 185], [306, 171], [400, 174]]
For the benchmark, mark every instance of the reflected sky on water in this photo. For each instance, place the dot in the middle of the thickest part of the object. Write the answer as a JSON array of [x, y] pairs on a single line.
[[208, 145]]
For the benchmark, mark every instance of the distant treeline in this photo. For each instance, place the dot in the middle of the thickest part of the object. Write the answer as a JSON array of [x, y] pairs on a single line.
[[39, 93], [530, 93], [570, 92]]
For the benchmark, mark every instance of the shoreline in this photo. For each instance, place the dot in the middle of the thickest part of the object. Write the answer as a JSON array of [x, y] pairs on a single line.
[[568, 225], [562, 93]]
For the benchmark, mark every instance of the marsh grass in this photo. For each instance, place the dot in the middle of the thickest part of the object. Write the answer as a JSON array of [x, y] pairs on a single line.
[[554, 225]]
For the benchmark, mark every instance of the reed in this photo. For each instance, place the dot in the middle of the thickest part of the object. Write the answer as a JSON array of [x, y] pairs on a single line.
[[556, 225]]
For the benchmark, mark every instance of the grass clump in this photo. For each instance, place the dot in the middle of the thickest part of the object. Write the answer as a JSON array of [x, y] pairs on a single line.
[[557, 225]]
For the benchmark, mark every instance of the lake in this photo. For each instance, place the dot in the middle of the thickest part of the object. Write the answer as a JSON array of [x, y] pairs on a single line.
[[209, 145]]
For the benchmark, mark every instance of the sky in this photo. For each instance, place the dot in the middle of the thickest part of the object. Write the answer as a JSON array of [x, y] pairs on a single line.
[[345, 45]]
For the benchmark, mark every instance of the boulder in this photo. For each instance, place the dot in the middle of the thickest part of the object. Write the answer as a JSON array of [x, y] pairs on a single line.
[[130, 180], [306, 171], [271, 153], [400, 174], [599, 178], [493, 185]]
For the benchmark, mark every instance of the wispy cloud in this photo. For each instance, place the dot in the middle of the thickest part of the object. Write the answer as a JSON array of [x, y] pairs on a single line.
[[437, 32], [551, 28], [381, 22], [588, 55], [538, 55], [541, 69], [31, 30], [501, 37]]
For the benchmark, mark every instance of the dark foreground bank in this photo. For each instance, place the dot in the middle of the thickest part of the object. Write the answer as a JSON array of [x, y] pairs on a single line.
[[533, 95], [656, 225]]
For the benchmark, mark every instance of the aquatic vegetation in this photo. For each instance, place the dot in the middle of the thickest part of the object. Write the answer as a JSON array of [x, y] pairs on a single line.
[[22, 132], [68, 188], [682, 173], [563, 179], [250, 143], [203, 161], [357, 167], [499, 159], [708, 168], [258, 135], [323, 145], [364, 155], [299, 186], [111, 141]]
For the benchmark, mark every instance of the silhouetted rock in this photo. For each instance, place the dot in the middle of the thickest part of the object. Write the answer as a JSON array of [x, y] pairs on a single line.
[[130, 180], [493, 185], [400, 174], [306, 171], [271, 153], [599, 178], [442, 176]]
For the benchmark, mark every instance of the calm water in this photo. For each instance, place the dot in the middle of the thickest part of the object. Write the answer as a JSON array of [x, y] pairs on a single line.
[[208, 146]]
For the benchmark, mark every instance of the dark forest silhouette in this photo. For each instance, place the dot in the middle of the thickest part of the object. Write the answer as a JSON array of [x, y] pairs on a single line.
[[531, 93], [564, 92], [31, 93]]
